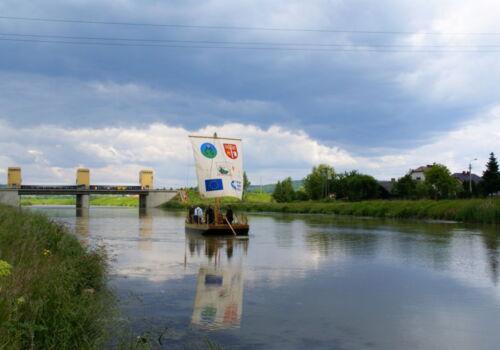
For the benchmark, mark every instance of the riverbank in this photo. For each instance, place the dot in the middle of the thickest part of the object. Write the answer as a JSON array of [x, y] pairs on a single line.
[[485, 211], [52, 291]]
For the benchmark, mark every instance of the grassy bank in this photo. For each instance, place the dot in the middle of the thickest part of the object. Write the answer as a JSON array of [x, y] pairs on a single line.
[[52, 291], [118, 201], [466, 210]]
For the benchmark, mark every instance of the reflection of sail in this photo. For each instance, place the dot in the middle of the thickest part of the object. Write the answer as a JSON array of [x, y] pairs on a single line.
[[145, 230], [82, 226], [219, 298]]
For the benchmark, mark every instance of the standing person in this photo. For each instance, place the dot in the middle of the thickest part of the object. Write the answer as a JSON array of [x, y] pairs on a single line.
[[209, 215], [191, 214], [198, 215], [229, 214]]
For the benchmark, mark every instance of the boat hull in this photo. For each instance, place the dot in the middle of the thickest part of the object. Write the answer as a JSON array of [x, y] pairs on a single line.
[[217, 229]]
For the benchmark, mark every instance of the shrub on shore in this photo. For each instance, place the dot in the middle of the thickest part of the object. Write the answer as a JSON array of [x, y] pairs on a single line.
[[53, 295]]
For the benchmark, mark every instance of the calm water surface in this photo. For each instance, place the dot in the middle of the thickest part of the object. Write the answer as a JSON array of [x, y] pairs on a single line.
[[301, 282]]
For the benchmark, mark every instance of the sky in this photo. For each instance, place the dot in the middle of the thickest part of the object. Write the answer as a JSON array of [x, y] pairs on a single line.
[[116, 86]]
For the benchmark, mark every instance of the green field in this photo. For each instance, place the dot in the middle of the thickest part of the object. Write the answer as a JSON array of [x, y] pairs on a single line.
[[119, 201], [52, 290]]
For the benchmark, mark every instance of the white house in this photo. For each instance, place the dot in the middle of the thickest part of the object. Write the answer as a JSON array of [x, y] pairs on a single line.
[[419, 173]]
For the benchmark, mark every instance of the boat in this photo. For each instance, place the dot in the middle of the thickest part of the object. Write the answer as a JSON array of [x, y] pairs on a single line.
[[219, 171]]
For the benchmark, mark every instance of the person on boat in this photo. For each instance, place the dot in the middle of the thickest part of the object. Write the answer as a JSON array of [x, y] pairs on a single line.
[[191, 214], [198, 215], [229, 214], [209, 215]]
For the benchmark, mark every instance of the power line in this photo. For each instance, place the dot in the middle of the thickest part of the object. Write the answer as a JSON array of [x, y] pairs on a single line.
[[106, 39], [333, 49], [241, 28]]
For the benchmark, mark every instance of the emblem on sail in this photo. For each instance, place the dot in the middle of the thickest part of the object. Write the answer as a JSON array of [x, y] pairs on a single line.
[[223, 169], [208, 150], [231, 150]]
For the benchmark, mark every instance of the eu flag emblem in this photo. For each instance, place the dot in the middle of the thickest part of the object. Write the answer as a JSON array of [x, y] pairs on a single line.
[[213, 185]]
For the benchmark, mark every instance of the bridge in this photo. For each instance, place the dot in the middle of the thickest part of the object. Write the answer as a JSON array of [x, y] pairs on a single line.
[[148, 196]]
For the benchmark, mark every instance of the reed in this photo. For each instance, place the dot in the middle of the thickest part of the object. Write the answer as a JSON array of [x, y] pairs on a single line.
[[54, 295], [465, 210]]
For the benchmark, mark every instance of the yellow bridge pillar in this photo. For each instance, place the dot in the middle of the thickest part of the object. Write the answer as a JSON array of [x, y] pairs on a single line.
[[14, 179], [146, 179], [82, 182], [82, 178]]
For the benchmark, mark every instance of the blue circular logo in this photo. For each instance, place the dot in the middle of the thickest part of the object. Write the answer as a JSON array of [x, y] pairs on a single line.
[[208, 150]]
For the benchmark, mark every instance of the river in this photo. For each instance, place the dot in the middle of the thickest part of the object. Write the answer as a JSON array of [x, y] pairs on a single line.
[[300, 281]]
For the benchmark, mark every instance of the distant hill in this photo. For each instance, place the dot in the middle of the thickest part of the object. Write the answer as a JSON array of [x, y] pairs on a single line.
[[269, 188]]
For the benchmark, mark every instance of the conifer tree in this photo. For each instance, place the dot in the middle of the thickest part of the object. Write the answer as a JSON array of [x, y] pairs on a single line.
[[491, 176]]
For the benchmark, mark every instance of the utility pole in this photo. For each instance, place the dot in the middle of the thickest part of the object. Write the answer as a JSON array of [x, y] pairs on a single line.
[[470, 175], [325, 183]]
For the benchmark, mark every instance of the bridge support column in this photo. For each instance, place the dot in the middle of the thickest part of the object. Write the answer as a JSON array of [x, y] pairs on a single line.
[[82, 201], [10, 197], [142, 201], [155, 198]]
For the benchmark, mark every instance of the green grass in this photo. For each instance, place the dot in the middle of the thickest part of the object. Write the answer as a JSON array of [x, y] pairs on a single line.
[[119, 201], [464, 210], [194, 198], [54, 295]]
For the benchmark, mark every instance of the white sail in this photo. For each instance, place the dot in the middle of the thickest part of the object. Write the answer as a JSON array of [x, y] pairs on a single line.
[[219, 166]]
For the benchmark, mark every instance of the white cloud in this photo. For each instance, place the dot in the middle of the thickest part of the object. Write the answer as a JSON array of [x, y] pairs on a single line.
[[51, 154], [118, 154]]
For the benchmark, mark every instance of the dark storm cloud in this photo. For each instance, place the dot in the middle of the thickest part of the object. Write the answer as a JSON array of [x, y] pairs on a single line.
[[353, 99]]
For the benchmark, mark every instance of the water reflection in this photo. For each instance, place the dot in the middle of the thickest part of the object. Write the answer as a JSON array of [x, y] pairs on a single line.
[[219, 297], [145, 241], [218, 302], [82, 223], [211, 247], [491, 241]]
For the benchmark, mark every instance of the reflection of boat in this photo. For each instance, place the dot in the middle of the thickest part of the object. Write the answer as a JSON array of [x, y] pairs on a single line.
[[217, 229], [219, 169], [219, 298], [211, 247]]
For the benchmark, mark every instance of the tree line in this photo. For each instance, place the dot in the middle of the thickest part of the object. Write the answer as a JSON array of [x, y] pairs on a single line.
[[323, 183]]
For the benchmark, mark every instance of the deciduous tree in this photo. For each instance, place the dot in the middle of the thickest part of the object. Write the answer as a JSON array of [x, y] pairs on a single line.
[[317, 184], [284, 192], [441, 183], [405, 187]]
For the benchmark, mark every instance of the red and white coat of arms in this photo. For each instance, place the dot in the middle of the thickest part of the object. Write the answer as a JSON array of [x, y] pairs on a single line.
[[231, 150]]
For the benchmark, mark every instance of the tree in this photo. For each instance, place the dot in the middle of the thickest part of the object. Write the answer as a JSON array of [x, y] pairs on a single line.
[[284, 192], [405, 187], [491, 177], [360, 187], [355, 186], [246, 183], [317, 184], [440, 182]]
